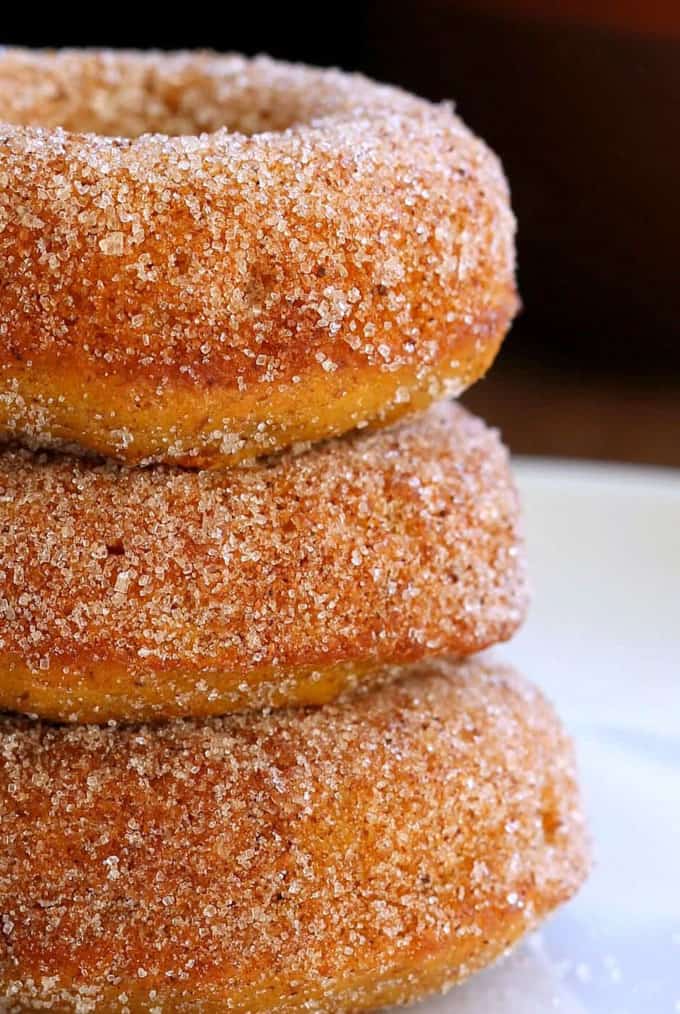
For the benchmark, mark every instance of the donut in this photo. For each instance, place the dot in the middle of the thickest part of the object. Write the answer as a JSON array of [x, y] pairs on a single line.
[[133, 593], [207, 258], [334, 859]]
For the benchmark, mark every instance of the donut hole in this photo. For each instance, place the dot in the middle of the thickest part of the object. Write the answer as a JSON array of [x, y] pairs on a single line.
[[126, 95]]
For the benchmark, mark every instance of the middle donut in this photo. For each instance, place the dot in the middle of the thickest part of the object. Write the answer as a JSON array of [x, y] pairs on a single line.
[[141, 594]]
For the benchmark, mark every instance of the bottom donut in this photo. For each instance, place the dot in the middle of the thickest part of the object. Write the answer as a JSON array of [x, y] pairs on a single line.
[[343, 858]]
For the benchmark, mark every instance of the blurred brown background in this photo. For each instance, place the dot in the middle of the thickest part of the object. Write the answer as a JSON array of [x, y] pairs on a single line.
[[581, 98]]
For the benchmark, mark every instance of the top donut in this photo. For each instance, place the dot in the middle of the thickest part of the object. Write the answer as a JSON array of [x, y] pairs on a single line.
[[208, 258]]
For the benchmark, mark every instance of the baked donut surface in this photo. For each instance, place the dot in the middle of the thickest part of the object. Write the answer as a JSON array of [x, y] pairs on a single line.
[[334, 859], [207, 258], [149, 593]]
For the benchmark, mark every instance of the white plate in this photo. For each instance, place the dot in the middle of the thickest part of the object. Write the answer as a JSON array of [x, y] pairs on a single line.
[[603, 639]]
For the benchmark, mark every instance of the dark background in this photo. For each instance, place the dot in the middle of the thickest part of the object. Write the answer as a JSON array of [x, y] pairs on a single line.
[[582, 101]]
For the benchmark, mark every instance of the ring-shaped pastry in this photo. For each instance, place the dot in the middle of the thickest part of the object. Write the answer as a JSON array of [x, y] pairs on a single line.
[[336, 859], [150, 593], [207, 258]]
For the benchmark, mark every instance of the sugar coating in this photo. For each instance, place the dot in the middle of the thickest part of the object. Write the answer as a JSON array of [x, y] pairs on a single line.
[[378, 548], [238, 255], [327, 859]]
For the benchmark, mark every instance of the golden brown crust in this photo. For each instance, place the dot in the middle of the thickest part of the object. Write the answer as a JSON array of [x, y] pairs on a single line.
[[142, 593], [204, 299], [325, 859]]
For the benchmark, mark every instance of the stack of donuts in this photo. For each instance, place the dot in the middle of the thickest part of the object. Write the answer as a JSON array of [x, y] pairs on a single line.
[[249, 548]]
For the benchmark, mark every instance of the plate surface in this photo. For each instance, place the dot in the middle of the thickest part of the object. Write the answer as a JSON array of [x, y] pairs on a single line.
[[603, 640]]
